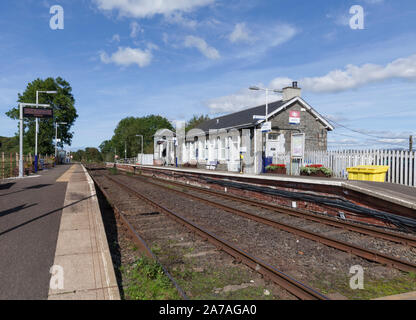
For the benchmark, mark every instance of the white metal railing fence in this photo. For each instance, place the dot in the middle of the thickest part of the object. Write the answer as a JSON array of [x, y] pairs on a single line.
[[144, 159], [402, 164]]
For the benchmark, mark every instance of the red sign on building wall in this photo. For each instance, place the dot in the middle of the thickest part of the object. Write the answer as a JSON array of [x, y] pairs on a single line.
[[294, 117]]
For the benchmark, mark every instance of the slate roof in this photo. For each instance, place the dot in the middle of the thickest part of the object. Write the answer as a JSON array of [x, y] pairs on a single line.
[[241, 119], [244, 118]]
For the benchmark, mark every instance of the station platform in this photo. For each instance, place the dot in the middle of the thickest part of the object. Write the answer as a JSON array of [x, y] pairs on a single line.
[[52, 239], [398, 197]]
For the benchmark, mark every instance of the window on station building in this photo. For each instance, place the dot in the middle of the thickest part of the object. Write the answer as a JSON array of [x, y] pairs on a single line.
[[229, 141], [221, 149], [218, 148], [206, 149], [192, 151], [273, 136]]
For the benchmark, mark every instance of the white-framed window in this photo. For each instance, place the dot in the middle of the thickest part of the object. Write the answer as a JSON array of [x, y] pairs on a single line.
[[185, 152], [218, 148], [229, 141], [201, 150], [192, 151], [223, 148], [235, 154], [211, 150]]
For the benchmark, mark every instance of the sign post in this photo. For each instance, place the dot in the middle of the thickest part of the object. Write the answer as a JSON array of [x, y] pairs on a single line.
[[266, 127], [21, 116]]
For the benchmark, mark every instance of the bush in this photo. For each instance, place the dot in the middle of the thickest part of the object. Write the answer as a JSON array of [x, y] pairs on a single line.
[[147, 281], [274, 167], [315, 170], [314, 166], [113, 171]]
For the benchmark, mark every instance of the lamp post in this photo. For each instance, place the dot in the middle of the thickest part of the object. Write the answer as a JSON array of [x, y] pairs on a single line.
[[267, 96], [141, 160], [125, 151], [265, 118], [56, 138], [37, 126]]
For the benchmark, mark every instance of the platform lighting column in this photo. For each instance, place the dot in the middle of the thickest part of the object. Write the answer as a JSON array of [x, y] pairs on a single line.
[[141, 160], [267, 90], [37, 126], [56, 139], [21, 141]]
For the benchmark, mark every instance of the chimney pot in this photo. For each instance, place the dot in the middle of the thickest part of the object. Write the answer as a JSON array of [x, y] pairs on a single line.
[[291, 92]]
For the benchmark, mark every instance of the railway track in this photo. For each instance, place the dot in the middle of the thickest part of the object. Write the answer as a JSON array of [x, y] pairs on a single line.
[[139, 241], [343, 246], [287, 282], [355, 227]]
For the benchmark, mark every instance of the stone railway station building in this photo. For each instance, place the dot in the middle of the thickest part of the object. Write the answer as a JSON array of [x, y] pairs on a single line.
[[220, 142]]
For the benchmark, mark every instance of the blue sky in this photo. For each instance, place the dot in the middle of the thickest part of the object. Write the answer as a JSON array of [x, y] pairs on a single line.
[[177, 58]]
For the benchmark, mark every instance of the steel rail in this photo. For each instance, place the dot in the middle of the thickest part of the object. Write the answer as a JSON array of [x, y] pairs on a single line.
[[366, 230], [295, 287], [140, 242], [346, 247]]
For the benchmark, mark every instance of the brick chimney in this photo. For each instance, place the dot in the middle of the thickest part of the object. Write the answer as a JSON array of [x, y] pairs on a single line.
[[291, 92]]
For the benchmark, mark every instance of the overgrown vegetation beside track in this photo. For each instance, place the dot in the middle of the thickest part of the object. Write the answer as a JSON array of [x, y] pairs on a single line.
[[145, 280], [374, 286], [113, 171]]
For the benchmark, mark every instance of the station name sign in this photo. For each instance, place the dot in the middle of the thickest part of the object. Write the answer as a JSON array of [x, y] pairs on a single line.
[[29, 112], [294, 117]]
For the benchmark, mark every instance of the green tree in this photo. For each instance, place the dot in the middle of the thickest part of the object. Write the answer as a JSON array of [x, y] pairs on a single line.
[[88, 155], [125, 136], [63, 104], [78, 155], [107, 150], [9, 145], [93, 155], [196, 121]]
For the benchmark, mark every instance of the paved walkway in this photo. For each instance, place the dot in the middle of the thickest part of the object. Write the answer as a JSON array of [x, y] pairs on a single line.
[[82, 253], [30, 213], [53, 220]]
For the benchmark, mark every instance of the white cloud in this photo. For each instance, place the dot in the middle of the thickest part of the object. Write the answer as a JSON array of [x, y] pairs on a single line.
[[202, 46], [280, 83], [392, 140], [357, 76], [126, 56], [340, 19], [266, 38], [345, 142], [178, 18], [149, 8], [351, 77], [240, 34], [165, 38], [135, 29], [115, 38], [239, 101], [374, 1]]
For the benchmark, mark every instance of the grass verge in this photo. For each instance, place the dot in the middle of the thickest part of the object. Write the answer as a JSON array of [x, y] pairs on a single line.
[[373, 287], [145, 280]]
